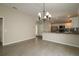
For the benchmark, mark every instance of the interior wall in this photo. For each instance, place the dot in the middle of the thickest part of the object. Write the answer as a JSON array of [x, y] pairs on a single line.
[[18, 26], [43, 27], [0, 29]]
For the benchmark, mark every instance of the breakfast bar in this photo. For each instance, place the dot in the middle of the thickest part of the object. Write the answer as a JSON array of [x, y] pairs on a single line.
[[71, 39]]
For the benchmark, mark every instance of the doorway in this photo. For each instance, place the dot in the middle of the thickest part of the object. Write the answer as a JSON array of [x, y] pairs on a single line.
[[1, 30]]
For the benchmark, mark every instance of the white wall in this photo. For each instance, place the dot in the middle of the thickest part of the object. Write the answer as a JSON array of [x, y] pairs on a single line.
[[17, 25], [43, 27]]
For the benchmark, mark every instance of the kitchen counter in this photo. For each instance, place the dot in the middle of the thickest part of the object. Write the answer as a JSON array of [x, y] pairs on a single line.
[[71, 39], [65, 32]]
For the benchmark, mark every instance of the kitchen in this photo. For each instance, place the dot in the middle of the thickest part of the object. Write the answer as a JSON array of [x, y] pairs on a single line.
[[64, 33]]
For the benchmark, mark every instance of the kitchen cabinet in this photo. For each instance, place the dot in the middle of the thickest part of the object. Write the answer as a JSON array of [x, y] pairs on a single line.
[[75, 22]]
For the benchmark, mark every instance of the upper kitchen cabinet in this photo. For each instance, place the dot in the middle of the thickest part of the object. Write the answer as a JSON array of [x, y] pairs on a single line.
[[75, 22]]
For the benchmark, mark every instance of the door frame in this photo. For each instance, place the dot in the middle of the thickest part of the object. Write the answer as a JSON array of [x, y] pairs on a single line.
[[2, 30]]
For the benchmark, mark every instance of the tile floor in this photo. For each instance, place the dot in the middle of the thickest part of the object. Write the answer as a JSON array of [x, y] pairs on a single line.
[[38, 47]]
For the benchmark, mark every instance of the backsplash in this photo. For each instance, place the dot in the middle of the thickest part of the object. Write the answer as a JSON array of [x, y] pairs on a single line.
[[63, 29]]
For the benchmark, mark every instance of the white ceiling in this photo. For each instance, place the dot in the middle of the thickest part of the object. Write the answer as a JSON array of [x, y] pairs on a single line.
[[59, 11]]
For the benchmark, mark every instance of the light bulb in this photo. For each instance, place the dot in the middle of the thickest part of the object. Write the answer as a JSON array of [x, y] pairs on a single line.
[[39, 14], [68, 16], [47, 13], [44, 17]]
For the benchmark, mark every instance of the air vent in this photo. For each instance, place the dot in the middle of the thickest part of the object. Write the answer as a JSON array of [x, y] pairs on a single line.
[[14, 7]]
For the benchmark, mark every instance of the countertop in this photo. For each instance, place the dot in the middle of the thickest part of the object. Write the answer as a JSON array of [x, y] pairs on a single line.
[[77, 33]]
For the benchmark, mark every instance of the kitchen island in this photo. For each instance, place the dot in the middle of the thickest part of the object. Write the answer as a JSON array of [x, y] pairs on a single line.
[[71, 39]]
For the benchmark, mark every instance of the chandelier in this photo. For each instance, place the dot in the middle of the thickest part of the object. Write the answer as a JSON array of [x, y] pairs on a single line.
[[44, 15]]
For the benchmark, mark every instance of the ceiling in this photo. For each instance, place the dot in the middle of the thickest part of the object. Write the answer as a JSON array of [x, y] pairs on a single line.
[[59, 11]]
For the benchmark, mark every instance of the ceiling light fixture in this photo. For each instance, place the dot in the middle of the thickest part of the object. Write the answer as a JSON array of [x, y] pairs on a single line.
[[44, 15]]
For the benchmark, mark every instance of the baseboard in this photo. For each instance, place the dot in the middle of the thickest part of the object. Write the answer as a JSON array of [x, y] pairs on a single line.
[[17, 41]]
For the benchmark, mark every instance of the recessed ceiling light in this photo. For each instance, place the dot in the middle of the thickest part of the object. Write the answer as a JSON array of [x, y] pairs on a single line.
[[68, 16]]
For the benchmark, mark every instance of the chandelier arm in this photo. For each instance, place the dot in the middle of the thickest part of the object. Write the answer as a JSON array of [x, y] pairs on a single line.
[[44, 9]]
